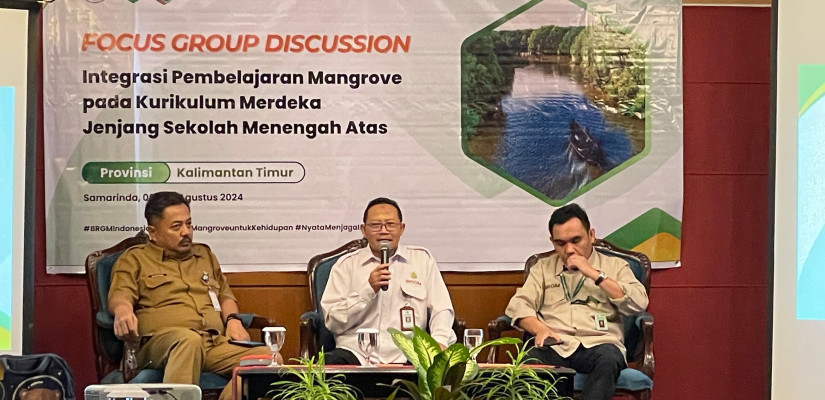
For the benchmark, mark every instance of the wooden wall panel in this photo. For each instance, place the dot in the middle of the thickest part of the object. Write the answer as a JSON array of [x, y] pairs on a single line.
[[477, 297]]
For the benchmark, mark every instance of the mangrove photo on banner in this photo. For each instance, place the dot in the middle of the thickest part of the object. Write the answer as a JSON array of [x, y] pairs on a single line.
[[553, 107]]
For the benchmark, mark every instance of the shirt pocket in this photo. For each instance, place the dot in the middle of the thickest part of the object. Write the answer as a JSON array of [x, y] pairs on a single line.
[[552, 295], [413, 290], [155, 281], [159, 290], [416, 297]]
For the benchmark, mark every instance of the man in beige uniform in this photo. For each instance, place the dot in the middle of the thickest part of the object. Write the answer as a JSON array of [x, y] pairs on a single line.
[[171, 294], [575, 300]]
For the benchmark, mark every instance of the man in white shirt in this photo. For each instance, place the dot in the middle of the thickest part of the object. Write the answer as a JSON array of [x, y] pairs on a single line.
[[413, 291]]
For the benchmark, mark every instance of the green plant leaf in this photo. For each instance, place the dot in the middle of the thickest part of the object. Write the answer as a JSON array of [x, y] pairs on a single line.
[[456, 353], [454, 377], [438, 370], [392, 395], [470, 371], [410, 388], [313, 383], [442, 393], [514, 381], [496, 342], [404, 343], [425, 346]]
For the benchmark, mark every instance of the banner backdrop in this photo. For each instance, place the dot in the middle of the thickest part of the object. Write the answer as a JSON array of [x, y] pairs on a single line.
[[281, 120]]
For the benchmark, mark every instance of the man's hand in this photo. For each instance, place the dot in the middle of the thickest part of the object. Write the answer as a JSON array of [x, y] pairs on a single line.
[[581, 263], [236, 331], [126, 324], [380, 276], [545, 333], [539, 329]]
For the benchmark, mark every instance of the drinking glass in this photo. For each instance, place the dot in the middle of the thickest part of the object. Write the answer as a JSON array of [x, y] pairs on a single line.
[[368, 342], [274, 338], [473, 338]]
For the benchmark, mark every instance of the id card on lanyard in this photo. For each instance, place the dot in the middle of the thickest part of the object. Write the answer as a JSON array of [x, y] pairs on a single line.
[[407, 314], [216, 304]]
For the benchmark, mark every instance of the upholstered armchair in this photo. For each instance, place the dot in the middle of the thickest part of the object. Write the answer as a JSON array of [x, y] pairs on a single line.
[[314, 334], [636, 381], [109, 350]]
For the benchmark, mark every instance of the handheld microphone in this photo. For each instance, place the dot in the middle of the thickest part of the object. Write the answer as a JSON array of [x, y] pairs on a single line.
[[384, 248]]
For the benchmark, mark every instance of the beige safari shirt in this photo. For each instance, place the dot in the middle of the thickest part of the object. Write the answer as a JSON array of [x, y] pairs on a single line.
[[543, 296], [168, 292]]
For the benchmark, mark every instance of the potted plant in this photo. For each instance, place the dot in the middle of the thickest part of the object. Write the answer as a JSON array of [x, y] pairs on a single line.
[[514, 381], [312, 383], [442, 374]]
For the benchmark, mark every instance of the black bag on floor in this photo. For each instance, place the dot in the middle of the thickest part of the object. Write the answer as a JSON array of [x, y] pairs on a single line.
[[35, 377]]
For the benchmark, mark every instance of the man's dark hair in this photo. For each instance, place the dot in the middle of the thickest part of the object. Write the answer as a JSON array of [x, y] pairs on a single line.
[[159, 201], [382, 200], [566, 213]]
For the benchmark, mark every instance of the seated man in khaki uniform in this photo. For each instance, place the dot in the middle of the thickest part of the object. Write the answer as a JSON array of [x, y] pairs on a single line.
[[573, 302], [171, 294]]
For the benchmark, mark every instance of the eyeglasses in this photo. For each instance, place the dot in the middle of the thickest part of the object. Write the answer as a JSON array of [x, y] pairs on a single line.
[[391, 226]]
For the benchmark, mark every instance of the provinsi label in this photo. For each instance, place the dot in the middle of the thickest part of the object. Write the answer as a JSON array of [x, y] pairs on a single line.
[[193, 172]]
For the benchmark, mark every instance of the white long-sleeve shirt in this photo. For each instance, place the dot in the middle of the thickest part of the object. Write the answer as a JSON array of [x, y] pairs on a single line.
[[349, 302]]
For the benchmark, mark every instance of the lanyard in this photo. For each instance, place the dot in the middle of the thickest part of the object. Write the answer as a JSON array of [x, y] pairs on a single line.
[[567, 294]]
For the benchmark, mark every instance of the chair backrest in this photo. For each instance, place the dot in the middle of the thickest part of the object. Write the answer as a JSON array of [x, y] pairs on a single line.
[[639, 264], [318, 270], [108, 348]]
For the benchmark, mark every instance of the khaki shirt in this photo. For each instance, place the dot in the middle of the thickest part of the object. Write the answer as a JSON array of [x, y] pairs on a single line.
[[168, 292], [543, 296]]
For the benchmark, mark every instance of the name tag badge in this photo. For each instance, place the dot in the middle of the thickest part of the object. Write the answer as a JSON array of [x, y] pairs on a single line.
[[601, 322], [407, 318], [215, 303]]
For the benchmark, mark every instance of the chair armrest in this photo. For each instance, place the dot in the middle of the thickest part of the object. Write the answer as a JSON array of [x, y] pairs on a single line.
[[645, 323], [459, 325], [252, 321], [494, 330], [104, 320], [309, 323]]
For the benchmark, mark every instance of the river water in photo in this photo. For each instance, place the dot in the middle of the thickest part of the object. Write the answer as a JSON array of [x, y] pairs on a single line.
[[534, 146]]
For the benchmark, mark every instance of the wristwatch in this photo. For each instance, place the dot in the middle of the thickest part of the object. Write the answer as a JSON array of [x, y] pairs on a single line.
[[599, 279], [231, 316]]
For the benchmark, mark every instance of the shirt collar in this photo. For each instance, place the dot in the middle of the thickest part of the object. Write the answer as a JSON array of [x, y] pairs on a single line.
[[161, 254]]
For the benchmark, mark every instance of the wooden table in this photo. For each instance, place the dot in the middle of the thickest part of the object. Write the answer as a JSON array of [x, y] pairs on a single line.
[[255, 380]]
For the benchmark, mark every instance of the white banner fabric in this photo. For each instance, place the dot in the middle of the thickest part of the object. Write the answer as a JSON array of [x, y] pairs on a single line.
[[281, 120]]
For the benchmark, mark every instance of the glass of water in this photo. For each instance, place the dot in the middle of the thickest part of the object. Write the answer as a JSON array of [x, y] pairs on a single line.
[[368, 343], [473, 338], [274, 338]]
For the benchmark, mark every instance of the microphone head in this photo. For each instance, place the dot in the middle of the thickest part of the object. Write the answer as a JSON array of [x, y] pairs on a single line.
[[383, 245]]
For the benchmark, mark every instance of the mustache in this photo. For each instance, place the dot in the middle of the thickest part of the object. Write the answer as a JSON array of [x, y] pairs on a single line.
[[186, 240]]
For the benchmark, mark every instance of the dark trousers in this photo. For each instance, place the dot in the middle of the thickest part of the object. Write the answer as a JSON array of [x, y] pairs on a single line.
[[602, 362], [340, 357]]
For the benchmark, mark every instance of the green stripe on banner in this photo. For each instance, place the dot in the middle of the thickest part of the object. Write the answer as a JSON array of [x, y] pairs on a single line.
[[811, 84], [644, 227]]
